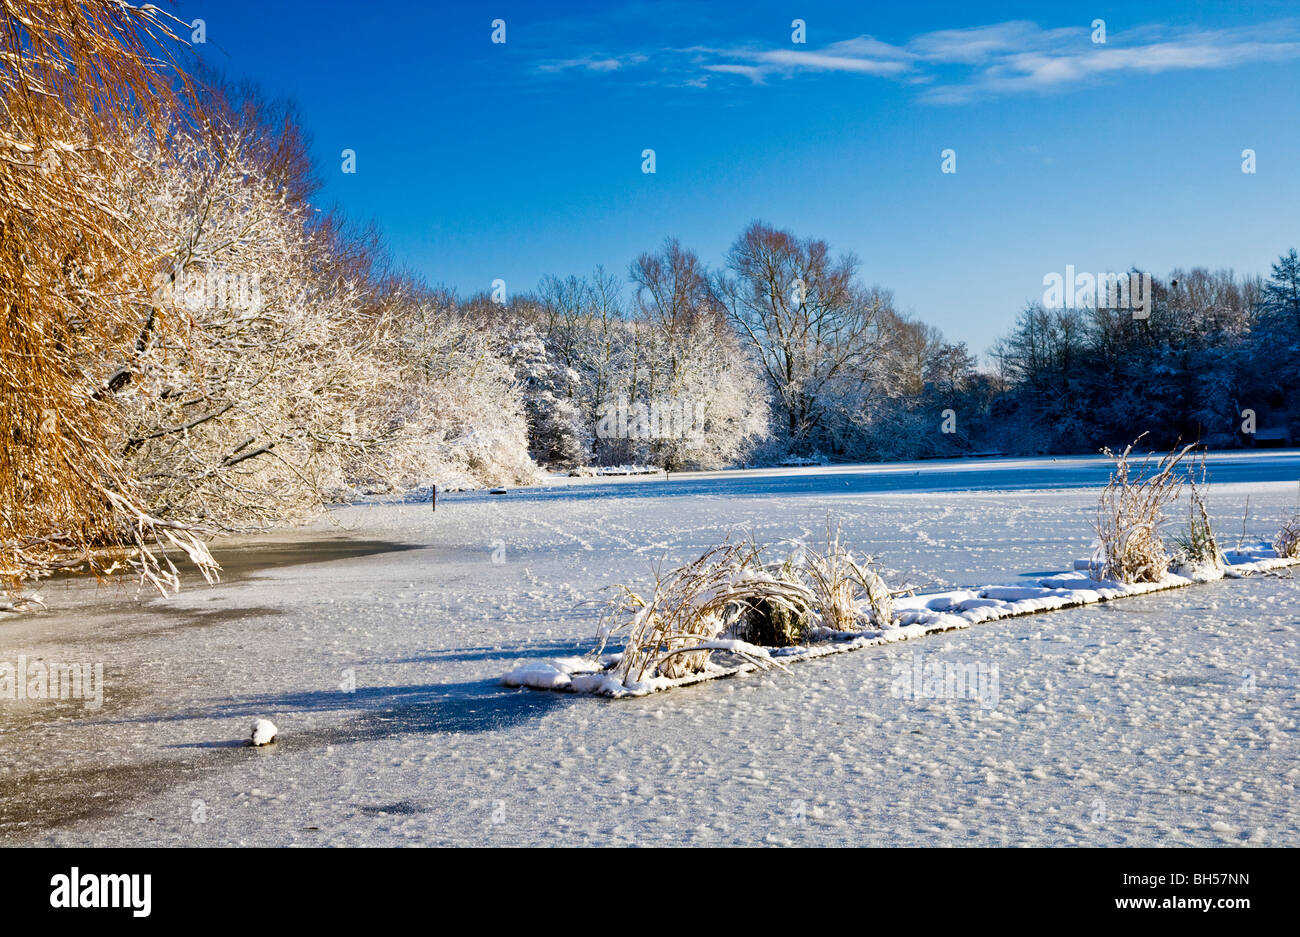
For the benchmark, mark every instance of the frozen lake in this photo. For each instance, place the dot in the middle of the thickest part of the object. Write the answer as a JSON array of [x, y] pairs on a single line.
[[374, 641]]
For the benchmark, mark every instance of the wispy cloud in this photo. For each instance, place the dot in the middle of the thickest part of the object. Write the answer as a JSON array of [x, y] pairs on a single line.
[[592, 63], [1050, 60], [840, 57], [957, 65], [979, 45]]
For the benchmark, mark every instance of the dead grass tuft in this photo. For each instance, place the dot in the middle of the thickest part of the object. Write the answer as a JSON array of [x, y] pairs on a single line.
[[729, 599], [1130, 513], [673, 631], [1287, 541], [840, 584], [1198, 545]]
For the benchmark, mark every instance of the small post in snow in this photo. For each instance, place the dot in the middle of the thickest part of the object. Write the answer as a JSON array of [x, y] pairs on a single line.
[[433, 496]]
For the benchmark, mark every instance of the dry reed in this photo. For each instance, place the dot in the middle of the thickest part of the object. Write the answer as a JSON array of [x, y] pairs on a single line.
[[1130, 513], [673, 632], [729, 599], [840, 584], [1287, 542], [1198, 545]]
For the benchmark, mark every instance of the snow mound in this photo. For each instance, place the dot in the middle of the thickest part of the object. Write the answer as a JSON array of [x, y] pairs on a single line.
[[264, 732]]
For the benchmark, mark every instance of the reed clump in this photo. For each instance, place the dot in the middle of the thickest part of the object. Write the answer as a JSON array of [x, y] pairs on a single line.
[[79, 85], [1287, 542], [1131, 512], [778, 621], [841, 584], [1198, 545], [672, 631], [730, 599]]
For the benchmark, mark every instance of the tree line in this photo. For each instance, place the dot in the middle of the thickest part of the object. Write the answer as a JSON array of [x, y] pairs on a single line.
[[793, 357]]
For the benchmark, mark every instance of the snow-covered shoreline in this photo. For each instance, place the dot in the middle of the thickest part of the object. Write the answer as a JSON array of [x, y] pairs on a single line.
[[918, 616]]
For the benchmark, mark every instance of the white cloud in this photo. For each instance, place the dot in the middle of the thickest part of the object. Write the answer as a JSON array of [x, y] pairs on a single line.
[[752, 72], [797, 59], [956, 65], [1049, 65], [980, 44], [593, 63]]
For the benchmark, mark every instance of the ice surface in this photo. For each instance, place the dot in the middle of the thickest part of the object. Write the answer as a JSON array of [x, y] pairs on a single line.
[[1169, 718]]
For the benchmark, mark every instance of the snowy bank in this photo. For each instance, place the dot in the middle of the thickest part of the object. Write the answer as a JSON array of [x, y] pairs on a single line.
[[917, 616]]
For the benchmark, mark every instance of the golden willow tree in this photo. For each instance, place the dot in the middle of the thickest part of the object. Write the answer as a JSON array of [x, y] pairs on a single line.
[[79, 84]]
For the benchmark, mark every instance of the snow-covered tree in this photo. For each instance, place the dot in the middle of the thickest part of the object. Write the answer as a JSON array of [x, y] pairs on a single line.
[[557, 435], [813, 329]]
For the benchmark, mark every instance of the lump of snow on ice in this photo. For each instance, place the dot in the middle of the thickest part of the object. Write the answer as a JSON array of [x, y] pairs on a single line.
[[554, 674], [602, 684], [934, 601], [736, 647], [1074, 581], [540, 676], [264, 732]]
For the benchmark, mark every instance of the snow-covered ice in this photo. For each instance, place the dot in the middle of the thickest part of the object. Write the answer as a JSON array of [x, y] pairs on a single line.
[[377, 646]]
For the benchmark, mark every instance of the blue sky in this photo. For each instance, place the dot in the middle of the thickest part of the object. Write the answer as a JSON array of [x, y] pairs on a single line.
[[481, 161]]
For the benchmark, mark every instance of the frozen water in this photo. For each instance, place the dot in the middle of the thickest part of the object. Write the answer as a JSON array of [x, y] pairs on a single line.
[[375, 646]]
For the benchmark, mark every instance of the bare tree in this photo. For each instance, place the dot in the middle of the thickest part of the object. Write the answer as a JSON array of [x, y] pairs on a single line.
[[674, 297], [811, 327]]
